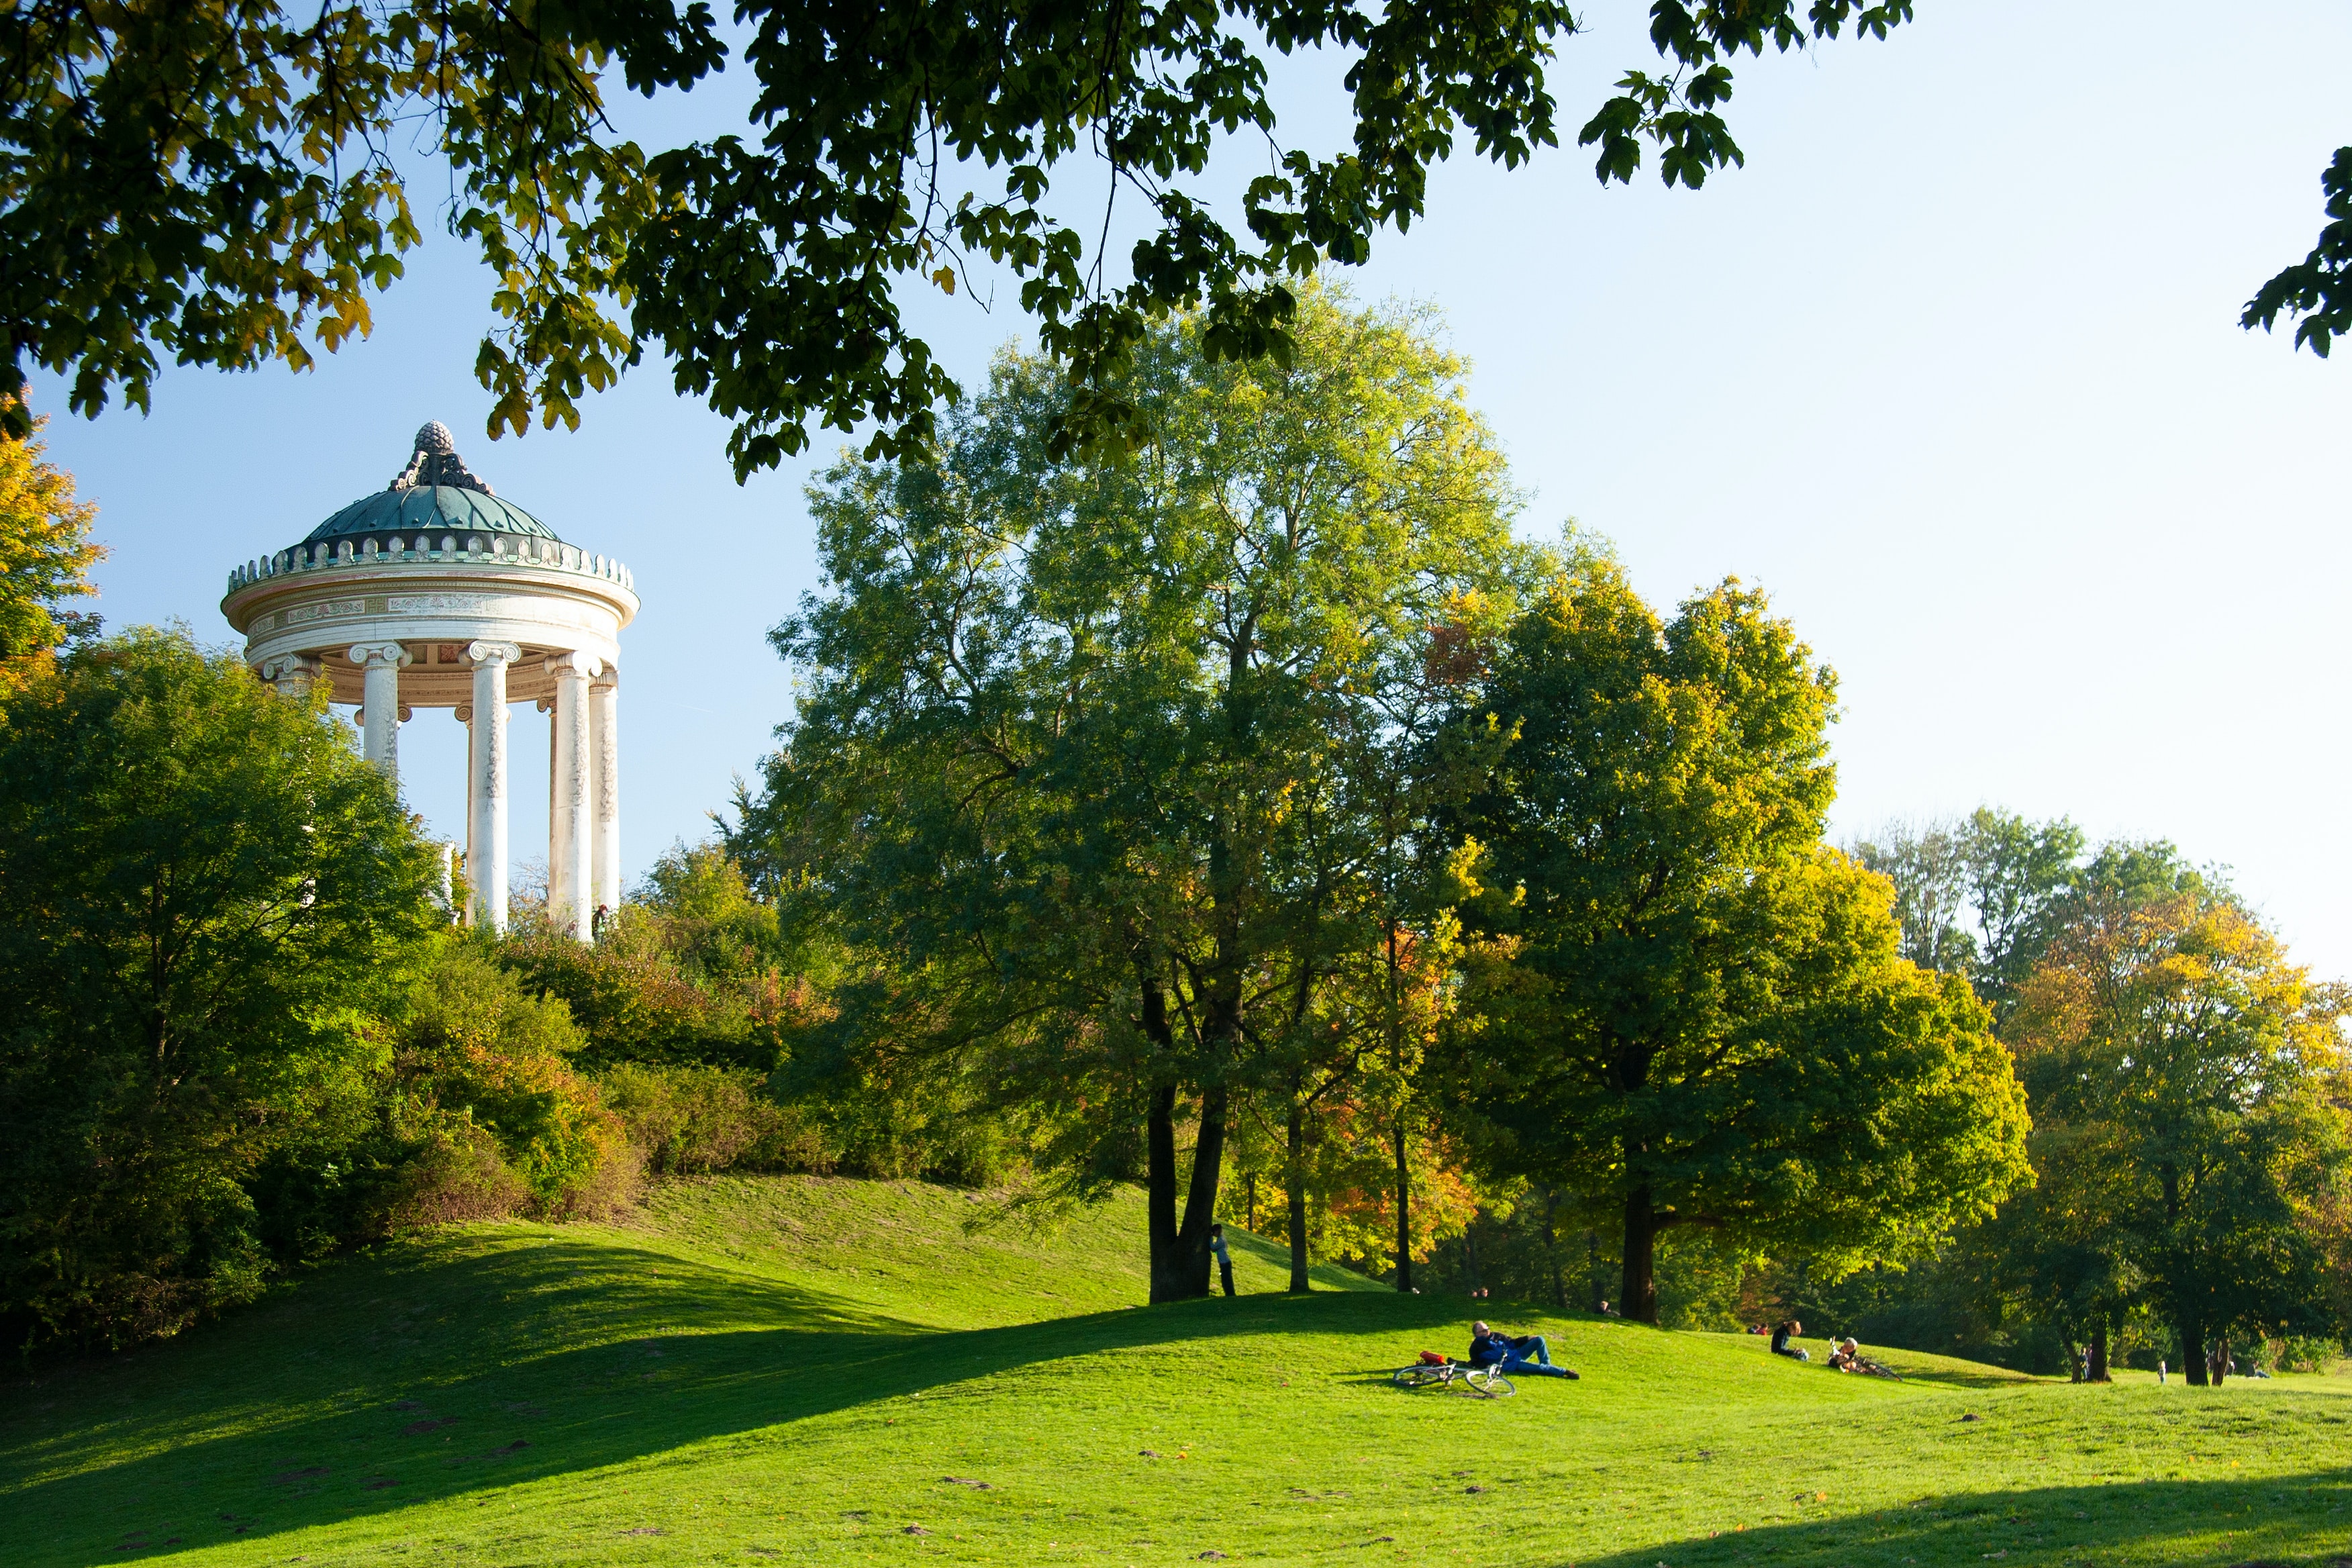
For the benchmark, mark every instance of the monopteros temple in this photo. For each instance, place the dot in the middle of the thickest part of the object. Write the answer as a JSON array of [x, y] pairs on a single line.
[[435, 593]]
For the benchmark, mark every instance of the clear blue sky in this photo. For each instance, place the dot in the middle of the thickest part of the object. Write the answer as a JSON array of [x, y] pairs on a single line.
[[1951, 368]]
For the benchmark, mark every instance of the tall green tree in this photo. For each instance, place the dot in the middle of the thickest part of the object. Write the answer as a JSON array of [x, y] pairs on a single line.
[[2207, 1073], [1980, 897], [205, 895], [1927, 863], [223, 184], [1706, 1021], [1070, 756]]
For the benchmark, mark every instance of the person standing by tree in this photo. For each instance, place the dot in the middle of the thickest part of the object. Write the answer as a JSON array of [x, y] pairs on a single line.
[[1224, 1258]]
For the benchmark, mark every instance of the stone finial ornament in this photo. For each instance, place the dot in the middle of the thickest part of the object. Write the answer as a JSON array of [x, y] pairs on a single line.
[[435, 461]]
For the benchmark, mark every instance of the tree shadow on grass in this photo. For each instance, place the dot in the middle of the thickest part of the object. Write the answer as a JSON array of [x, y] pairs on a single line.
[[2302, 1519], [405, 1380]]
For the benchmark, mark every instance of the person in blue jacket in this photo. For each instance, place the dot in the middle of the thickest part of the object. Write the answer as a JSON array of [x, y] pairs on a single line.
[[1527, 1353], [1224, 1258]]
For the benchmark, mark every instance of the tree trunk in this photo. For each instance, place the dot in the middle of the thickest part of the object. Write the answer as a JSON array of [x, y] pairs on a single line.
[[1470, 1254], [2192, 1349], [1637, 1287], [1551, 1249], [1294, 1183], [1403, 1171], [1201, 1202], [1404, 1215], [2099, 1353], [1250, 1224], [1160, 1194], [1180, 1257]]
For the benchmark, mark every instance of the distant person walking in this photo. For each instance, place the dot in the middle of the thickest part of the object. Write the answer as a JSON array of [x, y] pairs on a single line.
[[1224, 1258]]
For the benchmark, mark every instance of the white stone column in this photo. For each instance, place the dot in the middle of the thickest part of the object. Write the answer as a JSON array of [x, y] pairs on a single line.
[[380, 701], [473, 769], [605, 743], [570, 875], [292, 675], [546, 705], [488, 859]]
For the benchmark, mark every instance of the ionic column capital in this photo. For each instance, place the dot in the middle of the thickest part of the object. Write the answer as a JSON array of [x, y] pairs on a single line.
[[379, 654], [583, 666], [609, 680], [289, 667], [494, 652]]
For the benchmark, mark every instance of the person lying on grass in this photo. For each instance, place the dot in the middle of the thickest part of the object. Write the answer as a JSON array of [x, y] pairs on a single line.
[[1783, 1334], [1845, 1355], [1527, 1353]]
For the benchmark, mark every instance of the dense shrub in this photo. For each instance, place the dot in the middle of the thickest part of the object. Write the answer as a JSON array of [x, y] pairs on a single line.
[[2303, 1352], [206, 896], [696, 1120], [628, 995], [481, 1066]]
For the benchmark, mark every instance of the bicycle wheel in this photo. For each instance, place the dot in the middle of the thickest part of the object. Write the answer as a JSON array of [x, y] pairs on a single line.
[[1423, 1376], [1490, 1383]]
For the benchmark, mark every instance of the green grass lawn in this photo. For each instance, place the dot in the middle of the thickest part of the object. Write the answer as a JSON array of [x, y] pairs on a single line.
[[835, 1372]]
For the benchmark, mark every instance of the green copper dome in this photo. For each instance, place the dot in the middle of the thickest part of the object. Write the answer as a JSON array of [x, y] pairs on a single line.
[[435, 493]]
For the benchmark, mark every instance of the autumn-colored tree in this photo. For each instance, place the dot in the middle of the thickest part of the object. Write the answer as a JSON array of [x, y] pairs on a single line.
[[2204, 1076], [45, 551]]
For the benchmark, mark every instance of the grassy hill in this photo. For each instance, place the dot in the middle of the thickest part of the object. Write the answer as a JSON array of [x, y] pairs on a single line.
[[833, 1372]]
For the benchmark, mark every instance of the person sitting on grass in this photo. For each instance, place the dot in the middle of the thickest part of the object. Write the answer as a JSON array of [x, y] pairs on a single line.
[[1783, 1334], [1527, 1353]]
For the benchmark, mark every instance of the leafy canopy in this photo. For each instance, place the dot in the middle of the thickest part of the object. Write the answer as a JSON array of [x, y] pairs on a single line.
[[218, 184], [2205, 1075], [1077, 757], [2315, 292], [1980, 897], [1705, 1020]]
